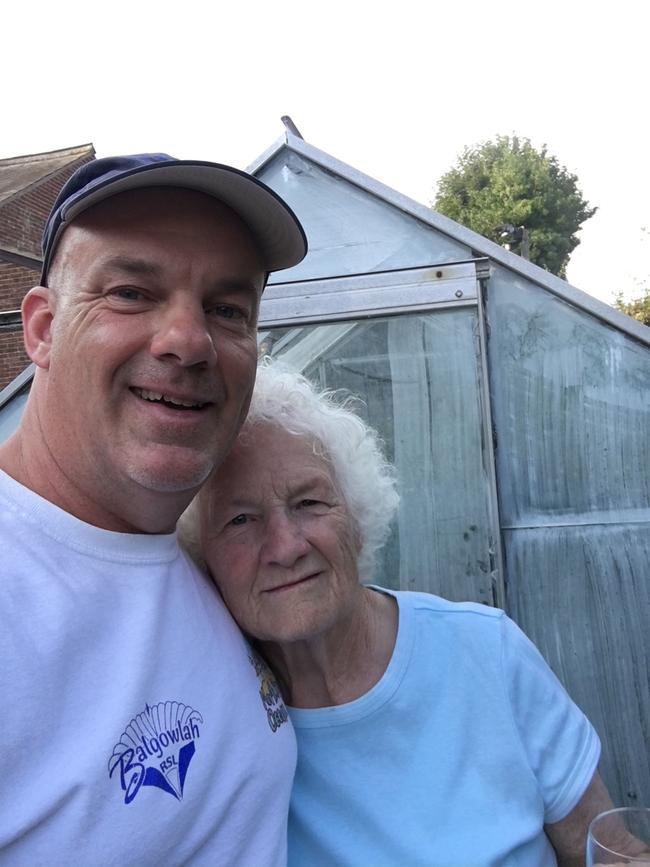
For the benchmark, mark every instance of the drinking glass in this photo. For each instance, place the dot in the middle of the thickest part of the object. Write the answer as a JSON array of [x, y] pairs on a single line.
[[620, 837]]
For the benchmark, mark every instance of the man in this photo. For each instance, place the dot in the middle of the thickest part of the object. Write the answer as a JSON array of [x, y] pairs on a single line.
[[136, 728]]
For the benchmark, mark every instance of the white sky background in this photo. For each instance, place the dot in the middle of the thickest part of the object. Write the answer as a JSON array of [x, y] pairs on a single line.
[[395, 89]]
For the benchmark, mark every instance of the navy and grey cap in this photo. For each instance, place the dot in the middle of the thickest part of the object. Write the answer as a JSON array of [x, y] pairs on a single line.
[[271, 221]]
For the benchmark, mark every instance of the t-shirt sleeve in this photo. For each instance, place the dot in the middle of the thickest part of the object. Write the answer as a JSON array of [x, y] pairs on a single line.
[[561, 745]]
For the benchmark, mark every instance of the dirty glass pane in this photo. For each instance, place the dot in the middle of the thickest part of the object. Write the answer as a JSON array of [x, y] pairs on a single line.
[[571, 398], [571, 407], [350, 230], [582, 594], [417, 378]]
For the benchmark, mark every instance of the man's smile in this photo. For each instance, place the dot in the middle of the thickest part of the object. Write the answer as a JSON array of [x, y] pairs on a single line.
[[169, 400]]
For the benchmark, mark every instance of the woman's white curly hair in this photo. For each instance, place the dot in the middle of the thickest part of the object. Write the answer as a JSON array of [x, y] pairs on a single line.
[[286, 399]]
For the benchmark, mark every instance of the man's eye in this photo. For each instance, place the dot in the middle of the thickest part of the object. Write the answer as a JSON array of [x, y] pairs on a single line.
[[240, 519], [227, 311], [306, 503], [128, 293]]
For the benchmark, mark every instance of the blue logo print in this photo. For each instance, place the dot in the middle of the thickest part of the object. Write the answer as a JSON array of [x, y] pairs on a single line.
[[156, 749]]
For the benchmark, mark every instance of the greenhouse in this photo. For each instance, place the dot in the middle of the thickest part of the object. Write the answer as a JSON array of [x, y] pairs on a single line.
[[516, 409]]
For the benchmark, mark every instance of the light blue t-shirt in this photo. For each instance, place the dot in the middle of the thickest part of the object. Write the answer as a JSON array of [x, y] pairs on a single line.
[[457, 757]]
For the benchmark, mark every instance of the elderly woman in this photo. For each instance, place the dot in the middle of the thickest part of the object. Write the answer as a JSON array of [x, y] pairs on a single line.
[[429, 732]]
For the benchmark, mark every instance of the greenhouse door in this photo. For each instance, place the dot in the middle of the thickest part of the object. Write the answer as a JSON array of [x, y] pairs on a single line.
[[411, 345]]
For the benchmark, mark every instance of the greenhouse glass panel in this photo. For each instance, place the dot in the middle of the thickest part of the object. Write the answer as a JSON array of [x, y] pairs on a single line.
[[582, 594], [572, 413], [571, 398], [418, 380], [350, 230]]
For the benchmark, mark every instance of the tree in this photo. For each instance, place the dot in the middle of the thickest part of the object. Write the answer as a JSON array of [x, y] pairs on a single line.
[[639, 308], [508, 181]]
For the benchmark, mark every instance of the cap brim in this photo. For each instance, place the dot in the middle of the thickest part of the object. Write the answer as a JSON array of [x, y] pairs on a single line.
[[273, 224]]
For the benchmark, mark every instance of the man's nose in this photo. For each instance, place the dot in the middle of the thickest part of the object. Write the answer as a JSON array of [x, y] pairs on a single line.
[[284, 542], [182, 333]]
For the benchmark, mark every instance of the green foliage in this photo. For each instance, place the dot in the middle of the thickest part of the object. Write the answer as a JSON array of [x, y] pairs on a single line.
[[639, 308], [508, 181]]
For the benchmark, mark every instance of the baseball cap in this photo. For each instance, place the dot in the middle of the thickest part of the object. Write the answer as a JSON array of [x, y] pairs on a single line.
[[271, 221]]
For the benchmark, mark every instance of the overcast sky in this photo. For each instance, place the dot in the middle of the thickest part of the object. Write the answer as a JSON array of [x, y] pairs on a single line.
[[395, 89]]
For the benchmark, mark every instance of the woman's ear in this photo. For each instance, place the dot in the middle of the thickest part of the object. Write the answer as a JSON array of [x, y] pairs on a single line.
[[38, 313]]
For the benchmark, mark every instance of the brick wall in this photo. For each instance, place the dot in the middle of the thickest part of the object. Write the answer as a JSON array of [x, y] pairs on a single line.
[[15, 281], [21, 226], [13, 358], [22, 219]]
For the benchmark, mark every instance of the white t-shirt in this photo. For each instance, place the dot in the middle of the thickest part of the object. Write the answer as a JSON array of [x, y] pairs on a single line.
[[461, 753], [137, 728]]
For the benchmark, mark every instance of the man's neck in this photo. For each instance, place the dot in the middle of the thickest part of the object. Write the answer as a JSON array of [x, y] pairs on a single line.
[[28, 461]]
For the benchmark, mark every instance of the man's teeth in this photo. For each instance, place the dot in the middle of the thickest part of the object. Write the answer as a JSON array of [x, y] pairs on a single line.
[[158, 396]]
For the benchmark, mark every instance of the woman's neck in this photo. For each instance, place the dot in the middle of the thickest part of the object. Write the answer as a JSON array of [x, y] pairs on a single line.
[[341, 664]]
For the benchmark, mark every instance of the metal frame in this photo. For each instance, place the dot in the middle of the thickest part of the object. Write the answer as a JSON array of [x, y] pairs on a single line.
[[497, 560], [13, 257], [383, 293], [16, 385], [10, 320]]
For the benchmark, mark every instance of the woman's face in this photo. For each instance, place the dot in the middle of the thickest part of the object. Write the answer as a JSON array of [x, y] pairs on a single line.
[[278, 538]]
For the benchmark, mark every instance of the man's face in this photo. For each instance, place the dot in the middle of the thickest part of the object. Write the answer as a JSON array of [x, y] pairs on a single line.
[[153, 341]]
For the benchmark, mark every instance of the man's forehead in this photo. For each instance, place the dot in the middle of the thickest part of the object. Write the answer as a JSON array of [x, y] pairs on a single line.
[[112, 232]]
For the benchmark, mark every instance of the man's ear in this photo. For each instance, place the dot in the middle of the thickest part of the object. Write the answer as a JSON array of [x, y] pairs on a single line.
[[38, 313]]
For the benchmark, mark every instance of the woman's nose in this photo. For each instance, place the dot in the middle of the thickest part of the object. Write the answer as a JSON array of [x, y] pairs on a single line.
[[285, 542]]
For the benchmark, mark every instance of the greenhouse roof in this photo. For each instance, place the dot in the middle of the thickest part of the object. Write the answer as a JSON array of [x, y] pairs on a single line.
[[290, 146]]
